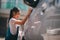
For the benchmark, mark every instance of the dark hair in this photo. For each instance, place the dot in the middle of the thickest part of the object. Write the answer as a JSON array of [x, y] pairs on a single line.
[[11, 12]]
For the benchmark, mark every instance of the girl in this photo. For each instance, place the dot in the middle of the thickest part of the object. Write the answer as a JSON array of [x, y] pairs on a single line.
[[12, 32]]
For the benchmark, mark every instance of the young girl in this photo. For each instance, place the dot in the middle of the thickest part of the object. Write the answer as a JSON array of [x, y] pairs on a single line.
[[12, 32]]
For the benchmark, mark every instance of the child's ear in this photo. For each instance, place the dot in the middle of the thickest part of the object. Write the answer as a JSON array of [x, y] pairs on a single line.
[[13, 13]]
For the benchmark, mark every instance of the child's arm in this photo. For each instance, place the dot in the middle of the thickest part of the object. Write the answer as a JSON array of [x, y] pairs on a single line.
[[26, 17]]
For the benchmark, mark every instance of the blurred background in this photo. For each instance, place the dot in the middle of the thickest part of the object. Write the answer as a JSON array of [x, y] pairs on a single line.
[[6, 5]]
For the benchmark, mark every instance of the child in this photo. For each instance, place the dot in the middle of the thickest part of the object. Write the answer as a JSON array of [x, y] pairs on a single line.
[[12, 32]]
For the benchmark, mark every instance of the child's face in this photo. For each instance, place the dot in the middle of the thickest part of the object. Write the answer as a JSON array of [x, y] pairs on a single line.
[[17, 15]]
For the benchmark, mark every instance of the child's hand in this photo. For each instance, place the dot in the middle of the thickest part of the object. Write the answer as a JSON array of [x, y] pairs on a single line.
[[30, 9]]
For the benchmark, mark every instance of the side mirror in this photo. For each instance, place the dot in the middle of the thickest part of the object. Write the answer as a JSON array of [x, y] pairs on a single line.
[[32, 3]]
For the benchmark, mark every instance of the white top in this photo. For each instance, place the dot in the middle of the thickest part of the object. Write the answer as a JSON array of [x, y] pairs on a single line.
[[13, 27]]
